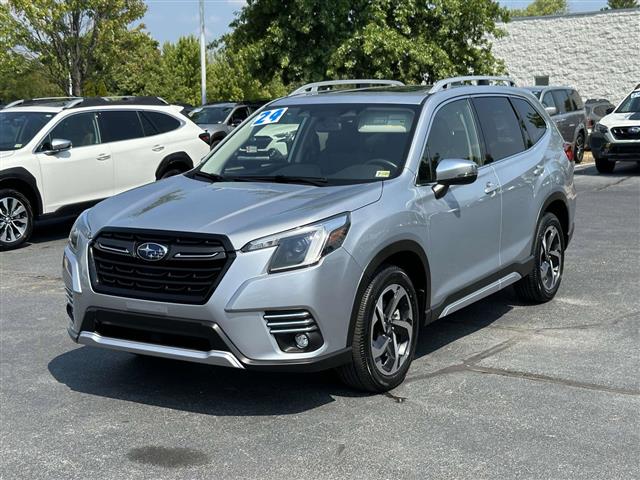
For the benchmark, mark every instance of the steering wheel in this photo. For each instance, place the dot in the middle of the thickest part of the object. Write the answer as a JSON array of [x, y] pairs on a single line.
[[382, 161]]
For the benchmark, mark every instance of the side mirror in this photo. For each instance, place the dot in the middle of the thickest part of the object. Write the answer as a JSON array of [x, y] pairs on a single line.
[[609, 110], [58, 145], [454, 172], [551, 110]]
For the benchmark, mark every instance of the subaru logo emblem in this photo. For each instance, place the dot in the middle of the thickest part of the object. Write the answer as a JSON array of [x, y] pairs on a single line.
[[151, 252], [634, 130]]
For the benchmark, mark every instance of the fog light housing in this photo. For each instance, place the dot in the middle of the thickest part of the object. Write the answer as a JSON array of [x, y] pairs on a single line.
[[302, 340]]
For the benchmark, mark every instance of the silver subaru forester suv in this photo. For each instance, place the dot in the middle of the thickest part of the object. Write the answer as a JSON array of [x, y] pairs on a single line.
[[328, 229]]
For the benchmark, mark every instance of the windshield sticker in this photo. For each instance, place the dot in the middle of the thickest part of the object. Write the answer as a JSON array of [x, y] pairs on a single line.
[[635, 94], [17, 145], [383, 174], [269, 116]]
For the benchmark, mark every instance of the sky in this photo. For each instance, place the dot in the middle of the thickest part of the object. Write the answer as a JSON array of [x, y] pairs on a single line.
[[167, 20]]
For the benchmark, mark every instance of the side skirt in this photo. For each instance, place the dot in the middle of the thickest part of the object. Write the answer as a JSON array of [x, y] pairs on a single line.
[[478, 290]]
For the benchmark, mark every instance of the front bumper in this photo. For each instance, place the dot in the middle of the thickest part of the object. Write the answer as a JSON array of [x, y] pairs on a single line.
[[235, 312], [607, 148]]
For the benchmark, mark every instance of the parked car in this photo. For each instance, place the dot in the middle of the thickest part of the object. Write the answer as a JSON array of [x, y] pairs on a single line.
[[221, 117], [595, 109], [57, 156], [616, 137], [568, 113], [356, 218]]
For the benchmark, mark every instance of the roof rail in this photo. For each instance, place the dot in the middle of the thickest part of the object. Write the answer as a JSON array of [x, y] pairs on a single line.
[[49, 101], [120, 100], [471, 80], [318, 87]]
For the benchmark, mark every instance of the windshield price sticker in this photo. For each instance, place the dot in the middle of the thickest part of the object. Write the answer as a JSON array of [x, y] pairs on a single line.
[[635, 94], [269, 116], [383, 174]]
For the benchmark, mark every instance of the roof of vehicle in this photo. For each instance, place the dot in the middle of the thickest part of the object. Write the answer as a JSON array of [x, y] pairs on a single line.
[[539, 88], [117, 106]]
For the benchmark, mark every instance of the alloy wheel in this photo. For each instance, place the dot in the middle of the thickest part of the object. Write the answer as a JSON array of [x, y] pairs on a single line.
[[550, 258], [392, 328], [14, 219]]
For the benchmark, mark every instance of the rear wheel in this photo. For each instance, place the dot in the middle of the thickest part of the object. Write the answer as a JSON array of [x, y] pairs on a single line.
[[385, 333], [543, 282], [604, 166], [16, 218], [578, 149]]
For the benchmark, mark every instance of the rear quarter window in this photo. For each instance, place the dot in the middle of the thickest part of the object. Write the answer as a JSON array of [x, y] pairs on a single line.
[[158, 122], [531, 122]]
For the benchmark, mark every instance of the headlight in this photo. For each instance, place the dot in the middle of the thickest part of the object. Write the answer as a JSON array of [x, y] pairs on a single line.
[[601, 128], [80, 227], [303, 246]]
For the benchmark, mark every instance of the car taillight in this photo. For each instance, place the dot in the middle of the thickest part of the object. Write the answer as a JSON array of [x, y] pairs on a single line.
[[568, 150], [205, 137]]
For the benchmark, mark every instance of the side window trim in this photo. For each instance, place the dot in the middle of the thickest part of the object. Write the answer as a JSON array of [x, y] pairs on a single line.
[[523, 129], [96, 126]]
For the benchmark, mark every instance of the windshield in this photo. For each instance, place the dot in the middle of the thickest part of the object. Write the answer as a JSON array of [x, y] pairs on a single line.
[[206, 115], [18, 128], [331, 143], [630, 104]]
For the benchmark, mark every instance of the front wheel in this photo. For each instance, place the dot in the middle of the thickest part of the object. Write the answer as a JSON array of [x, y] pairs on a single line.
[[16, 219], [385, 333], [543, 282]]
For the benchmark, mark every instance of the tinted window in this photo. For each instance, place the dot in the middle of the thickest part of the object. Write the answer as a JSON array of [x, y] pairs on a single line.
[[548, 101], [453, 134], [148, 127], [120, 125], [563, 101], [575, 96], [18, 128], [502, 134], [161, 122], [80, 129], [531, 121], [239, 115]]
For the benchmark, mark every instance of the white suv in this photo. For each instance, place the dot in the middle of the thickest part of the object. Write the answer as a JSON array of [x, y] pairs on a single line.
[[60, 155]]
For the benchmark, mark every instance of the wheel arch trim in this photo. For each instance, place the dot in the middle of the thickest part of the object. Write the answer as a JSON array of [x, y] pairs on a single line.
[[22, 175], [174, 158]]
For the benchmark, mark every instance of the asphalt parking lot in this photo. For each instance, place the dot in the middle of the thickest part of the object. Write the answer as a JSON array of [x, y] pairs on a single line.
[[499, 389]]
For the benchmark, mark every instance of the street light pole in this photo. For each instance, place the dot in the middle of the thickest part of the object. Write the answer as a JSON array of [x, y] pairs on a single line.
[[203, 57]]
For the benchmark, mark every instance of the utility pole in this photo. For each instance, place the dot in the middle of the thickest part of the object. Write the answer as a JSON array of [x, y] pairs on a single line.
[[203, 56]]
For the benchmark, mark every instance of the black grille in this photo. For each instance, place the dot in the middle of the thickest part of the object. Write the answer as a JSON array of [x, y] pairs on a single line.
[[625, 133], [152, 329], [189, 272]]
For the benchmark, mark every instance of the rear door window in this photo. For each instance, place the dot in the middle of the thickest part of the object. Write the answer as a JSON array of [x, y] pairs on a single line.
[[116, 126], [500, 127], [453, 135], [548, 101], [531, 121], [563, 101]]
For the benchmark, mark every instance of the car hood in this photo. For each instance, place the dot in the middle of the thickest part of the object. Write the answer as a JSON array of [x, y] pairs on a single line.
[[243, 211], [620, 119], [6, 153]]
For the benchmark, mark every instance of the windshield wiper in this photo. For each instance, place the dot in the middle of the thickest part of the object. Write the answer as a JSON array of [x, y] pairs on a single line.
[[214, 177], [316, 181]]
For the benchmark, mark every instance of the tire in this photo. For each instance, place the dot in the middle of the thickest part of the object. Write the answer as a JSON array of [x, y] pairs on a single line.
[[170, 173], [578, 148], [604, 166], [544, 280], [383, 346], [214, 143], [16, 219]]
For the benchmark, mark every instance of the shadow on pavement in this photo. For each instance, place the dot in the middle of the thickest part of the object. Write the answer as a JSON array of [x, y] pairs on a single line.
[[222, 391], [623, 169]]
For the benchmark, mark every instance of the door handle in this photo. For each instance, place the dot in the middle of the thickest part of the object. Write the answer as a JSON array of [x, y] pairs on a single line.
[[158, 148], [103, 156], [490, 188], [538, 170]]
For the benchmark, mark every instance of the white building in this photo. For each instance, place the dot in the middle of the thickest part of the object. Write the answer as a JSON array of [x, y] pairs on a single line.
[[597, 53]]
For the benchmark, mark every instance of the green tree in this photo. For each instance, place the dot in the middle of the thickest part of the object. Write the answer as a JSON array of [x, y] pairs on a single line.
[[616, 4], [539, 8], [67, 36], [22, 78], [180, 71], [309, 40]]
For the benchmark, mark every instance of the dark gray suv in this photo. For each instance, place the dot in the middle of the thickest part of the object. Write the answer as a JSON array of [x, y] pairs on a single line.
[[567, 111]]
